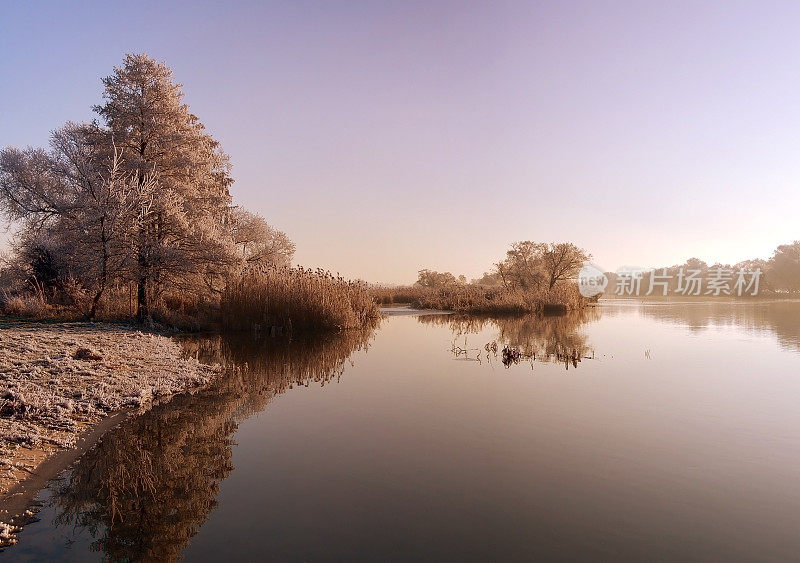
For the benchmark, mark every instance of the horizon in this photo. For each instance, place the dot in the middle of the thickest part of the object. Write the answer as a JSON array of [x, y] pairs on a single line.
[[384, 140]]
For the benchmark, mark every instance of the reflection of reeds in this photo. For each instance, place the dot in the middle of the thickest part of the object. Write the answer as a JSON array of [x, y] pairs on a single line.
[[148, 486], [296, 300], [270, 366], [530, 337]]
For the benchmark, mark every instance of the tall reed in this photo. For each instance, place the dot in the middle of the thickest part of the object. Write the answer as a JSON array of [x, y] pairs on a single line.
[[480, 299], [385, 295], [295, 300]]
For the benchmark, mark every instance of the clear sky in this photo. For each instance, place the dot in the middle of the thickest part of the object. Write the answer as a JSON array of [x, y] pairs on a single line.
[[385, 137]]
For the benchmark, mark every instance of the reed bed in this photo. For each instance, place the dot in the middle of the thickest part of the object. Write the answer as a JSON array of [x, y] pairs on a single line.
[[477, 299], [295, 300]]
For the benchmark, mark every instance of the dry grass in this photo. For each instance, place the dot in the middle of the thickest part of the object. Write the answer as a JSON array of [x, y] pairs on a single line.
[[296, 300], [293, 300], [28, 306], [477, 299]]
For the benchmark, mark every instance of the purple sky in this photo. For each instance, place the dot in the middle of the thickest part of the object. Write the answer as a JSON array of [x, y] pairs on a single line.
[[389, 137]]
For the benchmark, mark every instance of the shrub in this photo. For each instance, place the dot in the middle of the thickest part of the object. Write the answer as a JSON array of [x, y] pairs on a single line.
[[28, 306]]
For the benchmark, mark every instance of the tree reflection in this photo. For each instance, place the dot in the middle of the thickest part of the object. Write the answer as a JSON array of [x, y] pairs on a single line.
[[523, 338], [146, 489], [780, 318]]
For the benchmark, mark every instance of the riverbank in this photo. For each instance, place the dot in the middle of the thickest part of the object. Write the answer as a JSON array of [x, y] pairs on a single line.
[[59, 381]]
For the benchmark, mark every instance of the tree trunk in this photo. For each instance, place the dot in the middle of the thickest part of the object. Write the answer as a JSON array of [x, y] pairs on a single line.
[[103, 273], [95, 303], [142, 310]]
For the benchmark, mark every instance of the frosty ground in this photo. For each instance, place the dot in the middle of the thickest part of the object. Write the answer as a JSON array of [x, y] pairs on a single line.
[[59, 379]]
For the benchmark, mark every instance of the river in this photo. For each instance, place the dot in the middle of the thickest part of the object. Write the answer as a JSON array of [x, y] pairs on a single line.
[[658, 431]]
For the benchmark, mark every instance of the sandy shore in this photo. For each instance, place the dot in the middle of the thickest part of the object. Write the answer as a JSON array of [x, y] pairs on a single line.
[[58, 381]]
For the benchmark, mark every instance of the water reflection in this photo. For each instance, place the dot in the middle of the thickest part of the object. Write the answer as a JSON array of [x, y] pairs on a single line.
[[530, 338], [779, 318], [146, 489], [416, 456]]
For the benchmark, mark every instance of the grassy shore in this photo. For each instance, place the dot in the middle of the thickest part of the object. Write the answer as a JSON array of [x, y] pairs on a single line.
[[59, 379]]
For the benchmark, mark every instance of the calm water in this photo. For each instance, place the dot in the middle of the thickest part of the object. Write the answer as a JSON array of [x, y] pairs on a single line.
[[658, 432]]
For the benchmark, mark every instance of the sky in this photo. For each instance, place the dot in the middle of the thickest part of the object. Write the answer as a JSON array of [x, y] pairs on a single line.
[[387, 137]]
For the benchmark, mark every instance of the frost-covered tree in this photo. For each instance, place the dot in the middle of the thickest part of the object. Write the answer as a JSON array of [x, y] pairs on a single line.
[[76, 210], [258, 242], [183, 237], [141, 196]]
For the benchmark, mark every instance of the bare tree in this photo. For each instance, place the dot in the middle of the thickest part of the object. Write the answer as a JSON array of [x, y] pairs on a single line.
[[71, 206], [432, 278], [561, 261], [530, 265], [258, 242], [523, 266]]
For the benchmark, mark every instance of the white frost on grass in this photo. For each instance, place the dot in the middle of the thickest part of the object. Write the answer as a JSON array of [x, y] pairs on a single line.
[[49, 391], [8, 534]]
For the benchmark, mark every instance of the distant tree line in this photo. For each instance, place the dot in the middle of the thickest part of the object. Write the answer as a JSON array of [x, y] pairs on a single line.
[[780, 274], [138, 198], [782, 270], [432, 278]]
